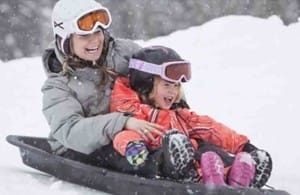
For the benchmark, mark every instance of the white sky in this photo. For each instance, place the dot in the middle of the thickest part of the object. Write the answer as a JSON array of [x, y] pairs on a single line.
[[245, 75]]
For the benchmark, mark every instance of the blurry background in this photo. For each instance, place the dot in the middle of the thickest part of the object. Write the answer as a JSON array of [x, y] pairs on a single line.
[[26, 30]]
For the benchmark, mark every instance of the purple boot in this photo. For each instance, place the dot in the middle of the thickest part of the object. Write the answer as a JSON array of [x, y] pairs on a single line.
[[242, 171], [212, 169]]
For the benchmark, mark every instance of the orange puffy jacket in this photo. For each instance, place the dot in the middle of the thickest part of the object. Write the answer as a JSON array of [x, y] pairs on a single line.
[[124, 99]]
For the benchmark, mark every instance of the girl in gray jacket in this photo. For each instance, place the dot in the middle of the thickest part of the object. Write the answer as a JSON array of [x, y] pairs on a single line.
[[81, 66]]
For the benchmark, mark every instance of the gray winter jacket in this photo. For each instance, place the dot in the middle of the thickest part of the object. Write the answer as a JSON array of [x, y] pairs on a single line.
[[77, 107]]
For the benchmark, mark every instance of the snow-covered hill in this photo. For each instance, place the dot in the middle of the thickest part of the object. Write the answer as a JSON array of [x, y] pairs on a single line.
[[245, 75]]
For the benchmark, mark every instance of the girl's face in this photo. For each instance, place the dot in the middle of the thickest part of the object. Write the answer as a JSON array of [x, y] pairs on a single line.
[[88, 47], [166, 93]]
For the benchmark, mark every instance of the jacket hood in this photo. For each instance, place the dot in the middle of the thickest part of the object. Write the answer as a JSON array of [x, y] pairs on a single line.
[[52, 60]]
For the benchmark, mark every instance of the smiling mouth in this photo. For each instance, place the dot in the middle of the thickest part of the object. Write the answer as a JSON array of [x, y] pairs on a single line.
[[169, 100], [92, 50]]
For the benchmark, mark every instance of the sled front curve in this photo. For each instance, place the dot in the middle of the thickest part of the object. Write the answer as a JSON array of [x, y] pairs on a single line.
[[35, 152]]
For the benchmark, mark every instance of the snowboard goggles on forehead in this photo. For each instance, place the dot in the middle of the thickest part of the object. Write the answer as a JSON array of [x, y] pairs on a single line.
[[176, 71], [88, 23]]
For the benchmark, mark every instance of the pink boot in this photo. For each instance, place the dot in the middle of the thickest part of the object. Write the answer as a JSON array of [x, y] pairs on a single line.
[[212, 169], [242, 171]]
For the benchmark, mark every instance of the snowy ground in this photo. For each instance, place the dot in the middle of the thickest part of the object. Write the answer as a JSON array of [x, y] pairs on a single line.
[[245, 75]]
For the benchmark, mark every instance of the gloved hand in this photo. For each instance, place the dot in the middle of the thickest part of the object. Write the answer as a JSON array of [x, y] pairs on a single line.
[[263, 167], [136, 153]]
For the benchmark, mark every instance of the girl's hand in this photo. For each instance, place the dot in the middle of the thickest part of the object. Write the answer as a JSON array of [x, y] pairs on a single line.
[[144, 128]]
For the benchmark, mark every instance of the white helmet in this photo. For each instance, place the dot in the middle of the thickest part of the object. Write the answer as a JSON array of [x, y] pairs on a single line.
[[65, 16]]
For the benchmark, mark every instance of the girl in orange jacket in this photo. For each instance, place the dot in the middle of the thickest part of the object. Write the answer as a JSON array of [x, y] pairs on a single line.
[[153, 93]]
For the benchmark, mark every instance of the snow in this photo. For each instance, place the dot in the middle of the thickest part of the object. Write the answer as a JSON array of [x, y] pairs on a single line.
[[245, 75]]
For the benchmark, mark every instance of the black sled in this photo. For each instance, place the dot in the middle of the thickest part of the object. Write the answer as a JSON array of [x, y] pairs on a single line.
[[35, 152]]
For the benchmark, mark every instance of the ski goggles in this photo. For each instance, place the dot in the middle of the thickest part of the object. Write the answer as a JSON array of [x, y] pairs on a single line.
[[176, 71], [88, 23]]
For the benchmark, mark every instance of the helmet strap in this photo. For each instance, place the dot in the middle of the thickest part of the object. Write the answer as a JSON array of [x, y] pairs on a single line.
[[58, 41], [67, 46], [63, 46]]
